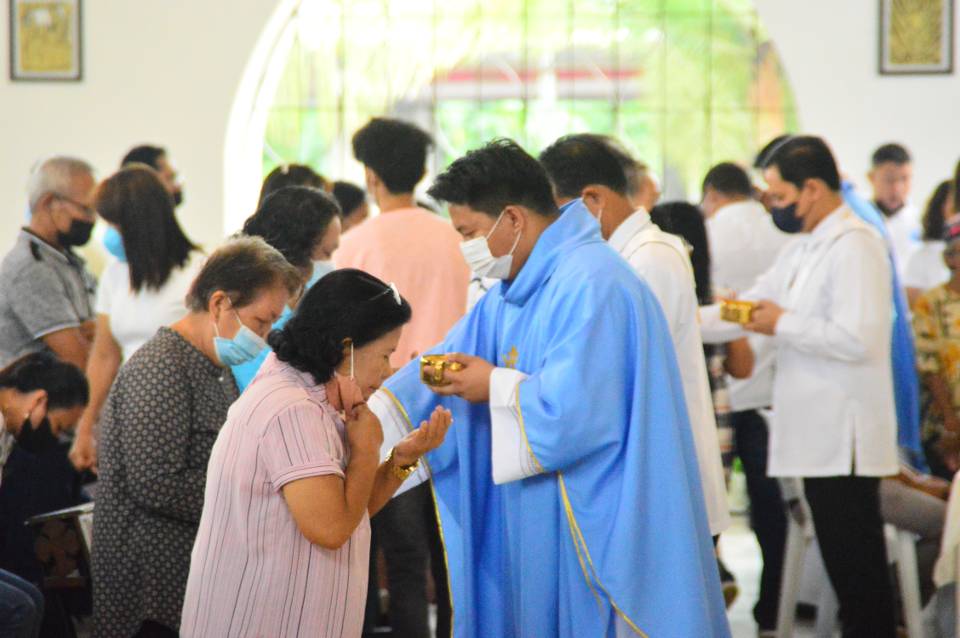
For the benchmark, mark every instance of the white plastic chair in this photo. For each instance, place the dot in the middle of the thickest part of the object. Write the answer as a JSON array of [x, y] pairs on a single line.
[[798, 538], [901, 549]]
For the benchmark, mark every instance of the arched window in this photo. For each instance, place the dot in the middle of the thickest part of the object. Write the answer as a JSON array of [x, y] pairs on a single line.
[[683, 83]]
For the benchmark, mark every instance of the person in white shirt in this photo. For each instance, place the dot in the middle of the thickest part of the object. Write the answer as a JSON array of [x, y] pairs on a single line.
[[142, 289], [593, 168], [924, 267], [827, 302], [744, 243], [891, 177]]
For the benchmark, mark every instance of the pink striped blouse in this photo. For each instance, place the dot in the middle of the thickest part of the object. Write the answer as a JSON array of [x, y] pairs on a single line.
[[252, 572]]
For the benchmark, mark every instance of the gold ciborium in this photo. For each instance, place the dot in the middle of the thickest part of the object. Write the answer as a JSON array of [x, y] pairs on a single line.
[[433, 366], [736, 311]]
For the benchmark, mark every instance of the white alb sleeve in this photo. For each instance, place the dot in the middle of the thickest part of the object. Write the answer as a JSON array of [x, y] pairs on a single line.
[[395, 426], [511, 455]]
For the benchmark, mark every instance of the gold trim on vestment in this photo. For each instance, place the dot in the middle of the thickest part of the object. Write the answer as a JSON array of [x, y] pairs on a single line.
[[523, 433], [436, 505], [579, 542]]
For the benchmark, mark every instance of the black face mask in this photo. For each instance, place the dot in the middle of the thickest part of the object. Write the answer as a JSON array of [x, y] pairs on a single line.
[[77, 235], [177, 197], [36, 440], [786, 219]]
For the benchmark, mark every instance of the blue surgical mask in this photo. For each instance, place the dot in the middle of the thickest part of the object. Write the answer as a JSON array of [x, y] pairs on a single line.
[[113, 242], [245, 346], [320, 268]]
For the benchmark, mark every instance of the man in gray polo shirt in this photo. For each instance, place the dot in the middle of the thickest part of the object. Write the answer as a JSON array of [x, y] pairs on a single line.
[[46, 291]]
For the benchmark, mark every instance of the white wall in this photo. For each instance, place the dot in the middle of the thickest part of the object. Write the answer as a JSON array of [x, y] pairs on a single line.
[[162, 72], [829, 48], [168, 72]]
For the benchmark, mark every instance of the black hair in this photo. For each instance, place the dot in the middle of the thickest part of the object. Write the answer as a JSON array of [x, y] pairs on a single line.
[[293, 220], [349, 196], [345, 304], [804, 157], [64, 383], [144, 154], [395, 150], [290, 175], [895, 153], [933, 219], [729, 179], [574, 162], [497, 175], [686, 220], [760, 161], [135, 201]]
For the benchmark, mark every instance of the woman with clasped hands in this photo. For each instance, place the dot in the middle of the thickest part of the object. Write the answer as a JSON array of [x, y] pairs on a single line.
[[284, 540]]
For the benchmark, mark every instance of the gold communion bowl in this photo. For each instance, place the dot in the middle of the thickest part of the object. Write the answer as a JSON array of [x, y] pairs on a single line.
[[432, 367], [736, 311]]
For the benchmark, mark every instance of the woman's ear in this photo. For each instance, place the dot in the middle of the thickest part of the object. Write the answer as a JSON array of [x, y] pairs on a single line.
[[219, 302], [36, 407]]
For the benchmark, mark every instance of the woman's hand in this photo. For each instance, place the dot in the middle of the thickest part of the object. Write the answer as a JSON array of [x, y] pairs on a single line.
[[364, 433], [471, 383], [344, 394], [427, 437]]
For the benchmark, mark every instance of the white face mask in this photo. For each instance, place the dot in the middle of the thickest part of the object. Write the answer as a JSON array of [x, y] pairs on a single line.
[[481, 260]]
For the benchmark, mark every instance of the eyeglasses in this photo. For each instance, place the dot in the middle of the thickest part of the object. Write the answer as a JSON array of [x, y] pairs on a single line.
[[88, 211]]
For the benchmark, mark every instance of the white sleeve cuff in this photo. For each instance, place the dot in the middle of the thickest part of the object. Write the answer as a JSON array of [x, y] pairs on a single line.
[[396, 425], [789, 326], [512, 457]]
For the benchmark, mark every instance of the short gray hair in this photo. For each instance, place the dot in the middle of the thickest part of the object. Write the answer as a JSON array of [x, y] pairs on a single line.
[[242, 268], [55, 175], [636, 173]]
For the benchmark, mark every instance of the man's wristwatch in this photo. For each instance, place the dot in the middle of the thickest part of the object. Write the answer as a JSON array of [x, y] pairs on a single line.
[[402, 472]]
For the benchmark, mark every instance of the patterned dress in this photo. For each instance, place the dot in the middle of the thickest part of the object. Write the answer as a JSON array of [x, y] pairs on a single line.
[[936, 327], [156, 432]]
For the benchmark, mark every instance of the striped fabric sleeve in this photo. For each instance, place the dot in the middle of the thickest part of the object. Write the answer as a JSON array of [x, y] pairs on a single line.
[[301, 442]]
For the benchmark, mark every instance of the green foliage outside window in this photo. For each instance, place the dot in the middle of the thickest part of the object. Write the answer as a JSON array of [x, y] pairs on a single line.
[[683, 83]]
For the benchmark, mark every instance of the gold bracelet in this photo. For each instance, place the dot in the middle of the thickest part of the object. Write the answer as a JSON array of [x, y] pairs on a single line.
[[402, 472]]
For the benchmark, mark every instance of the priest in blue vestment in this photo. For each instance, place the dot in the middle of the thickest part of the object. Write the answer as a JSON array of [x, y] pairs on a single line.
[[568, 489]]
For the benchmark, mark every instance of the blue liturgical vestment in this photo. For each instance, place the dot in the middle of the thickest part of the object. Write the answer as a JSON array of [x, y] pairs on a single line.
[[906, 385], [611, 537]]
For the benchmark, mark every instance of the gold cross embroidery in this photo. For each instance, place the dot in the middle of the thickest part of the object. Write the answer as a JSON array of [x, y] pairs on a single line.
[[510, 360]]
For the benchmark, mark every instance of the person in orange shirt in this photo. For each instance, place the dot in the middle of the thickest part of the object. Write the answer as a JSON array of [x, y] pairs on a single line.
[[412, 247], [419, 252]]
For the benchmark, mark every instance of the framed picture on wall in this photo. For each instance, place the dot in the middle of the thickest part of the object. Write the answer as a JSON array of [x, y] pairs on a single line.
[[916, 37], [46, 40]]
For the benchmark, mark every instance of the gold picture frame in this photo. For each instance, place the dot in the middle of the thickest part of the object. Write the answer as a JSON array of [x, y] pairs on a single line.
[[46, 40], [916, 37]]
